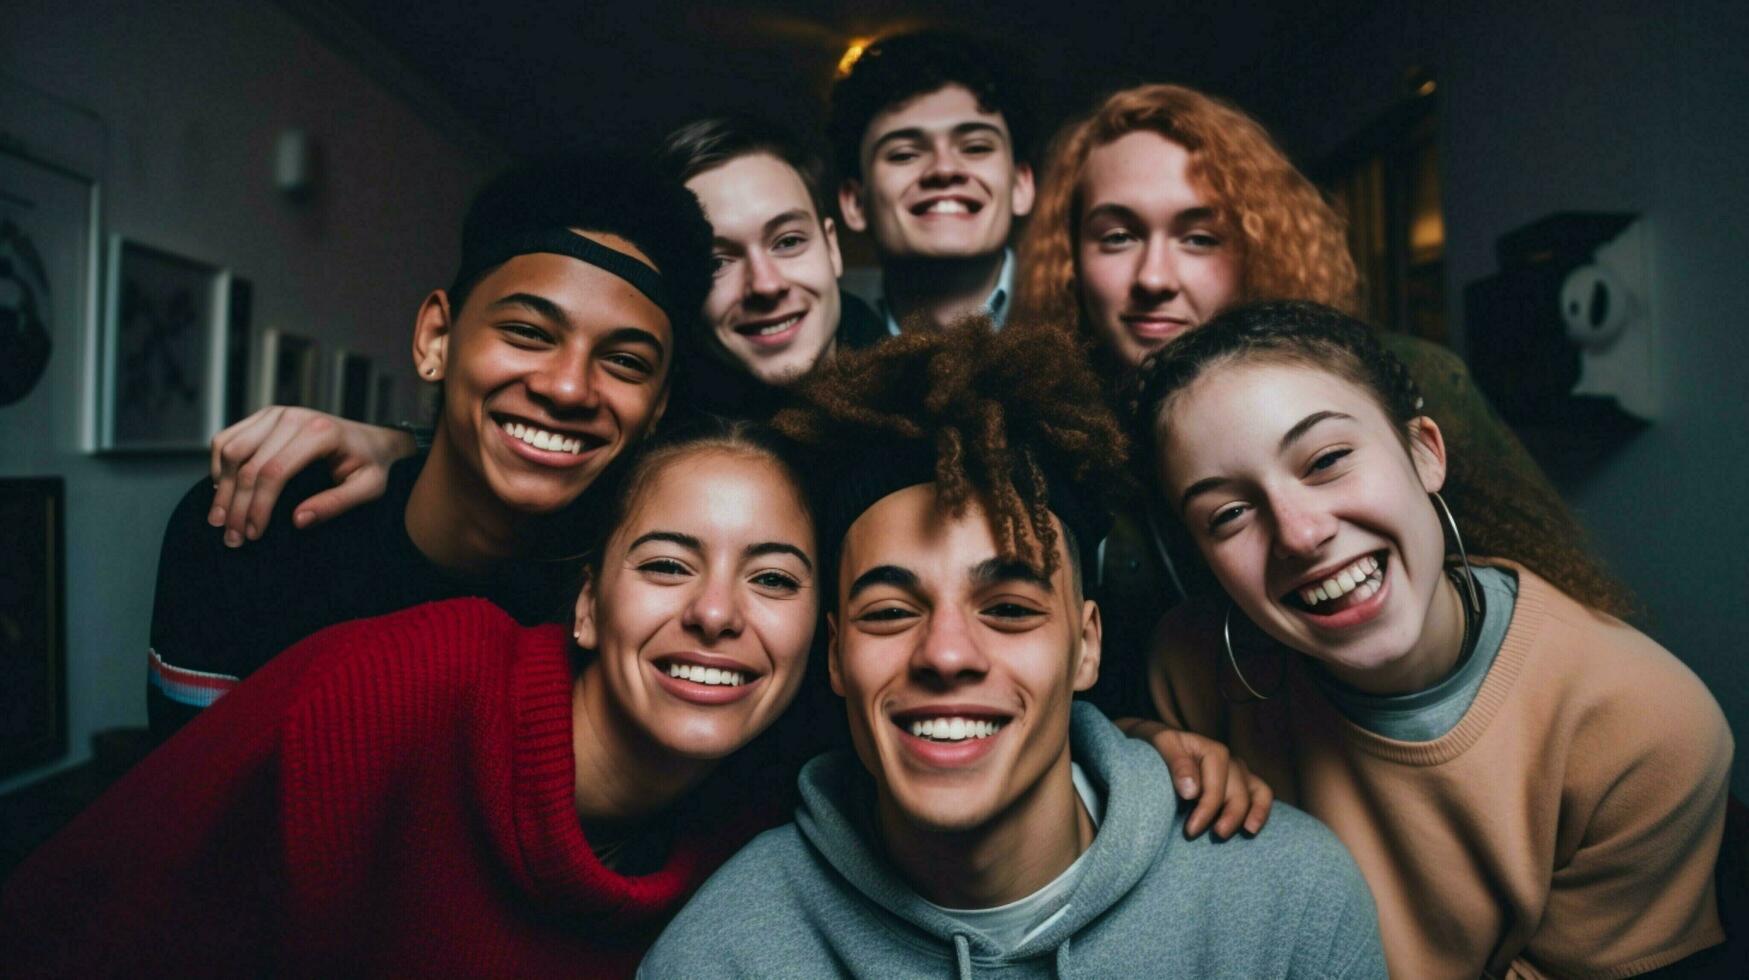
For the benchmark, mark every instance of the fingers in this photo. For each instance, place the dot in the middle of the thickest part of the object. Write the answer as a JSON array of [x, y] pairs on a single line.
[[360, 487], [315, 440], [1211, 803], [264, 472], [1262, 798], [231, 448]]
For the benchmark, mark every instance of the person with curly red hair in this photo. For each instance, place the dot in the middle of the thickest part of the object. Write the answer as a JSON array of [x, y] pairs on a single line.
[[1161, 208]]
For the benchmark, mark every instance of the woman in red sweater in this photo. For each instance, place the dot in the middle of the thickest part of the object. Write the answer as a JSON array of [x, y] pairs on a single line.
[[1530, 786], [443, 792]]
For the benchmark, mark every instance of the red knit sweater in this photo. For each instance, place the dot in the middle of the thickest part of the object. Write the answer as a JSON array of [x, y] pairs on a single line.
[[391, 796]]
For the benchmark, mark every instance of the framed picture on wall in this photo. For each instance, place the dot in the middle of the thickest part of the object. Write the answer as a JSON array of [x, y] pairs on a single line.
[[288, 369], [164, 337], [33, 646], [354, 377], [48, 268]]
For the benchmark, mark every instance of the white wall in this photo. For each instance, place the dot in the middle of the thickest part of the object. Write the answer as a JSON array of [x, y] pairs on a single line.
[[1577, 105], [188, 99]]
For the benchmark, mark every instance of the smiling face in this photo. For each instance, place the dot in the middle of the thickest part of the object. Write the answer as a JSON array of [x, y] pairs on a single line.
[[958, 668], [774, 302], [1154, 259], [705, 602], [550, 369], [1313, 516], [939, 180]]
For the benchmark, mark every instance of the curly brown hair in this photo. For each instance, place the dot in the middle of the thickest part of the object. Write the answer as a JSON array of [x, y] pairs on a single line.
[[1291, 240], [1502, 511], [999, 408]]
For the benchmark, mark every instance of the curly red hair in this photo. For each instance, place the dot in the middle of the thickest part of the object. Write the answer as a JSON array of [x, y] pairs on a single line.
[[1291, 240]]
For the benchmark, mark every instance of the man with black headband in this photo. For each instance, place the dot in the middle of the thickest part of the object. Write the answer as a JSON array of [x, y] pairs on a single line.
[[993, 824], [554, 346]]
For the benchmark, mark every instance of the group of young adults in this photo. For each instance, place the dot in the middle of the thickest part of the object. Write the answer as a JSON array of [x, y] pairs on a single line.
[[502, 704]]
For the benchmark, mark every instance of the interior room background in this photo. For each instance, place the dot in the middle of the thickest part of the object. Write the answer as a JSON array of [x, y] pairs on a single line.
[[177, 110]]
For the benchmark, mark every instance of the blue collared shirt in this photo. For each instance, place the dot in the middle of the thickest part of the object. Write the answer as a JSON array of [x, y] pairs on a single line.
[[996, 304]]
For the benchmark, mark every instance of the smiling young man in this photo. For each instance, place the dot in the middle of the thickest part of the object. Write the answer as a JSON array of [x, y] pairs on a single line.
[[554, 346], [930, 133], [986, 823], [774, 311]]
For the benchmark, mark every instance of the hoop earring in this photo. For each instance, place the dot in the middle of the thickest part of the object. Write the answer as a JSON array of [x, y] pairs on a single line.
[[1227, 641], [1463, 557]]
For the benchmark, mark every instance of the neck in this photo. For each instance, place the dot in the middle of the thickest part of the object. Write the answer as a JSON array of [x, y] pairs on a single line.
[[939, 291], [1432, 657], [1004, 860], [455, 520], [620, 773]]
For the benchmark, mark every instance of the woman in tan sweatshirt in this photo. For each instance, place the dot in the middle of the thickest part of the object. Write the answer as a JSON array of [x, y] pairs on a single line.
[[1531, 786]]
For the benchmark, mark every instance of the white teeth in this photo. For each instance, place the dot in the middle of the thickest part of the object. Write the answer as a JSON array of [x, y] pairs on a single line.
[[707, 675], [947, 206], [1364, 573], [954, 729], [778, 327], [542, 439]]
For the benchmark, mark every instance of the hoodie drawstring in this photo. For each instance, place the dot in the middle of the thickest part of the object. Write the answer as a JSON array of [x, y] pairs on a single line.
[[962, 951]]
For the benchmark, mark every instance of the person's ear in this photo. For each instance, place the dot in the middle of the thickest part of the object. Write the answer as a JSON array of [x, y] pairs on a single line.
[[829, 228], [1092, 636], [431, 330], [1022, 196], [833, 672], [583, 626], [850, 204], [1427, 450]]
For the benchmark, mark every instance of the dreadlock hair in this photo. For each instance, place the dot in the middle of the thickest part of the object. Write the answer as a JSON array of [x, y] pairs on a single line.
[[998, 408], [1502, 513]]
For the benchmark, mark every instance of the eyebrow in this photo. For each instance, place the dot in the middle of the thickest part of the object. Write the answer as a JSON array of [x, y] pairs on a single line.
[[919, 133], [539, 304], [893, 575], [1292, 435], [793, 214], [1189, 216], [671, 537], [779, 548], [1305, 425], [991, 571]]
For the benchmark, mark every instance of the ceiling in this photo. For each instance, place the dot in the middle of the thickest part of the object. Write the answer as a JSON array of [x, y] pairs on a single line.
[[530, 77]]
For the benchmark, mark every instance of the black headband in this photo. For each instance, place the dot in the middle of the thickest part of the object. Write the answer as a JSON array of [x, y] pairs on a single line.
[[886, 469], [564, 241]]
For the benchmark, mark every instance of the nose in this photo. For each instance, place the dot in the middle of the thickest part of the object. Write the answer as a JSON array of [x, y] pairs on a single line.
[[764, 279], [1156, 271], [714, 609], [947, 653], [944, 169], [563, 381], [1302, 529]]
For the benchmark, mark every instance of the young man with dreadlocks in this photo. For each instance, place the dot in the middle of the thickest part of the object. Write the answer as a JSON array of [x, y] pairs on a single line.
[[992, 822]]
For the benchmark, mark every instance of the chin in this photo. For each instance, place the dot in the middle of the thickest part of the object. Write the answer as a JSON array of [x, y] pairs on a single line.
[[945, 810], [702, 741]]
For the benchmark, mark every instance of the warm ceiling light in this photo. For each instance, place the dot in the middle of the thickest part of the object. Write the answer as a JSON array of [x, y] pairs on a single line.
[[852, 53]]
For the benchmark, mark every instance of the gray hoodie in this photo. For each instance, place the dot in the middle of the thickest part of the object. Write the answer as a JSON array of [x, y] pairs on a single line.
[[817, 898]]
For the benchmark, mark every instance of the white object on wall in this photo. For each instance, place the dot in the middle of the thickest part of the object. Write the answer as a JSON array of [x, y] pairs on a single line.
[[1607, 309]]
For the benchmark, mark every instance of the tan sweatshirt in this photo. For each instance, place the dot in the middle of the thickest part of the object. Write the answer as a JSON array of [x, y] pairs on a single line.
[[1567, 826]]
